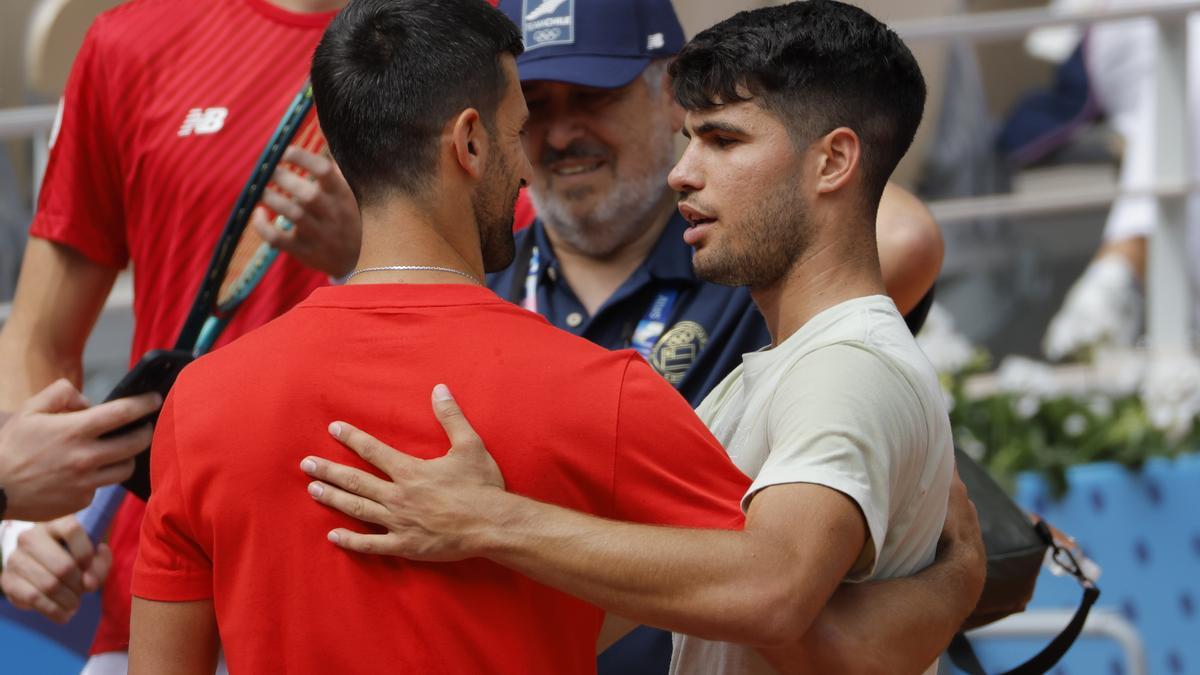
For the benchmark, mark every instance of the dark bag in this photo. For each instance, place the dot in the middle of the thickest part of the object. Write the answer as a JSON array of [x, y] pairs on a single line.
[[1016, 547]]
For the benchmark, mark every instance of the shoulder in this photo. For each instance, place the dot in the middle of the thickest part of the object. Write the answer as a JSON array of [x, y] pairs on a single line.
[[127, 24], [852, 377]]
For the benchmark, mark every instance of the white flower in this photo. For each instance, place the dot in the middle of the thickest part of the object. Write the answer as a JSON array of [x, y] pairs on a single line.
[[1026, 406], [1026, 377], [1171, 394], [1075, 425]]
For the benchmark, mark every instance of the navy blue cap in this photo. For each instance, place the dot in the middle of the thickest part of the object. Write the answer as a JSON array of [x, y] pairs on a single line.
[[595, 43]]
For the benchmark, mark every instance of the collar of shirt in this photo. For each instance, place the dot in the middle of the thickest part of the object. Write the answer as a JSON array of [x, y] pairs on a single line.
[[668, 263], [669, 260]]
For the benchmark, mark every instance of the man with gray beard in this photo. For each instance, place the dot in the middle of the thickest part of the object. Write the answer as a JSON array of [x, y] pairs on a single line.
[[606, 259]]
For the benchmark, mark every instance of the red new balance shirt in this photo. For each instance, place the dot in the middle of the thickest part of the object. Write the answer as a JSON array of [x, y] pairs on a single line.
[[568, 422], [168, 105]]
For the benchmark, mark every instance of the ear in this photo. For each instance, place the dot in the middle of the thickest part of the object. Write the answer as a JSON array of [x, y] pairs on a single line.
[[469, 142], [840, 160]]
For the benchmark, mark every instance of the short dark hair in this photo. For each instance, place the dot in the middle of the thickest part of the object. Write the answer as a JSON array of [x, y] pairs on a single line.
[[818, 65], [388, 75]]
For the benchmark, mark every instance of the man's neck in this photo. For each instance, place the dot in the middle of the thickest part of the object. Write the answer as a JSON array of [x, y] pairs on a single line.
[[308, 6], [407, 235], [594, 280], [826, 275]]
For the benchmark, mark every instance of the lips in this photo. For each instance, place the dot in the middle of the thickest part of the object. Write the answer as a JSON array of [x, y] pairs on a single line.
[[699, 221], [576, 167]]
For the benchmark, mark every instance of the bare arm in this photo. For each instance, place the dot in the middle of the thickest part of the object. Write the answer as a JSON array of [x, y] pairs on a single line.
[[885, 627], [898, 625], [59, 297], [910, 247], [173, 637]]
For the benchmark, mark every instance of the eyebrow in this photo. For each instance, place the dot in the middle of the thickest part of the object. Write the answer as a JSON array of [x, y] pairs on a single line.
[[709, 127]]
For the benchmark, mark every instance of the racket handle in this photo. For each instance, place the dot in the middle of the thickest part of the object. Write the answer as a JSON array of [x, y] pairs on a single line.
[[98, 516]]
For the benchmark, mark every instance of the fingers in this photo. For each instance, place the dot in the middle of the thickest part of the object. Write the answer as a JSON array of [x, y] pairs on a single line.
[[371, 449], [352, 505], [300, 188], [111, 474], [97, 571], [375, 544], [452, 419], [23, 595], [284, 206], [70, 532], [320, 167], [59, 396], [123, 447], [349, 479], [101, 419], [42, 562]]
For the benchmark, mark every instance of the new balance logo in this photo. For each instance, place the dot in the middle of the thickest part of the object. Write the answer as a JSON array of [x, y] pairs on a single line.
[[203, 121], [656, 41]]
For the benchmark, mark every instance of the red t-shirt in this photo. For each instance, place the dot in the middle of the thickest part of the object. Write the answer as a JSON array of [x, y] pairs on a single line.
[[168, 105], [230, 518]]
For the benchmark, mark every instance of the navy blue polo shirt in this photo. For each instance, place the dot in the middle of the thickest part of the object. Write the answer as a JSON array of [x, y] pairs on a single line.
[[706, 332]]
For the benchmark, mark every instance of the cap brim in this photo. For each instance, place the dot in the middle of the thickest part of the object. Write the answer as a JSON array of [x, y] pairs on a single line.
[[604, 72]]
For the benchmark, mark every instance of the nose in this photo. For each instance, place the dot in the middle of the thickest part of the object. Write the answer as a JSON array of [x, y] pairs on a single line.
[[562, 130], [686, 176]]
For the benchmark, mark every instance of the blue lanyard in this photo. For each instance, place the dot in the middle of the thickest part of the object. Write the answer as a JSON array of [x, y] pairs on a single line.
[[648, 330], [531, 280], [651, 327]]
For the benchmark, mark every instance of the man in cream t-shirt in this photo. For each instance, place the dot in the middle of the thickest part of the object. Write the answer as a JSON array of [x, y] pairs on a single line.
[[850, 402], [796, 116]]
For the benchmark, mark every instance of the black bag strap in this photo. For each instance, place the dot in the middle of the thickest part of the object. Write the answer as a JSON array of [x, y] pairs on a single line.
[[963, 655]]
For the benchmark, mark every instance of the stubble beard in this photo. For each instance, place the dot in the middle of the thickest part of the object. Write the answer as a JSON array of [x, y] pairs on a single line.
[[494, 205], [762, 248]]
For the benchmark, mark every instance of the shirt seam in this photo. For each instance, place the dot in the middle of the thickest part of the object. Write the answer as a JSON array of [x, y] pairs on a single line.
[[617, 435]]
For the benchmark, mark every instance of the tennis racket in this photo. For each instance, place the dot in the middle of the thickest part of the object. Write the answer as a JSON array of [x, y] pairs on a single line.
[[239, 262]]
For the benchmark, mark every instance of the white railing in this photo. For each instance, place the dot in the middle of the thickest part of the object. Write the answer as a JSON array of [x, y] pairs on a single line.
[[35, 123], [1168, 285]]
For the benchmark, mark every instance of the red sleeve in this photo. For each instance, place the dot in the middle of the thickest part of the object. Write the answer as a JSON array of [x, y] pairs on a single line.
[[668, 469], [171, 566], [81, 199]]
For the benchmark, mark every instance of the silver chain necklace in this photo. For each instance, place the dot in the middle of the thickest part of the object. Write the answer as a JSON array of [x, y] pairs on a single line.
[[413, 268]]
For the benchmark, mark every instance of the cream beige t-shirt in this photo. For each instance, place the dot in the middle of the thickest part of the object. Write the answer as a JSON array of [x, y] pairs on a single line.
[[850, 402]]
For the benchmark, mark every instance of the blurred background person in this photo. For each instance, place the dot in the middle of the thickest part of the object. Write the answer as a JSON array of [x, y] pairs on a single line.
[[131, 182]]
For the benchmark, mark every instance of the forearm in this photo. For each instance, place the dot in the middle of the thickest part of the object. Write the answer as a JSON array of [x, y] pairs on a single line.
[[714, 584], [58, 299], [29, 368], [891, 626]]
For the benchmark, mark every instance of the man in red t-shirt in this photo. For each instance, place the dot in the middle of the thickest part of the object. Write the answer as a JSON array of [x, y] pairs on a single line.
[[166, 109], [423, 109]]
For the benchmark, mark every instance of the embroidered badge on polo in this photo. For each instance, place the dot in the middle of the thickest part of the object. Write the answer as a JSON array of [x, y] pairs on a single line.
[[547, 22], [678, 349]]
